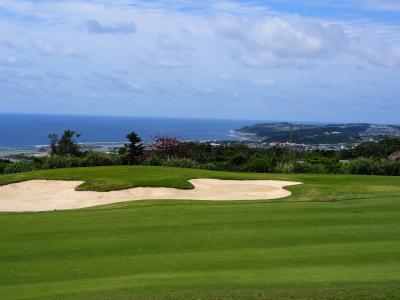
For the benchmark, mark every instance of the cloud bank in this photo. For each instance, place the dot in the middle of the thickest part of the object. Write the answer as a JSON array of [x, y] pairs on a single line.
[[231, 59]]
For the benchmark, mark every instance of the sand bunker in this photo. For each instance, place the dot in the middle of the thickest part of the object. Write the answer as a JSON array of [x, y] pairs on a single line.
[[44, 195]]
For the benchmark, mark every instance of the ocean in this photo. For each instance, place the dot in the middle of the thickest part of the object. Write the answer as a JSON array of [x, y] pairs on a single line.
[[32, 130]]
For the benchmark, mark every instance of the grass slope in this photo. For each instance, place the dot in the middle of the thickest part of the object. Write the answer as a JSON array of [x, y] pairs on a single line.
[[319, 249]]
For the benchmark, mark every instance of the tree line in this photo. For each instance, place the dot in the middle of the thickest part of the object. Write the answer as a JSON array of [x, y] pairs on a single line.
[[368, 158]]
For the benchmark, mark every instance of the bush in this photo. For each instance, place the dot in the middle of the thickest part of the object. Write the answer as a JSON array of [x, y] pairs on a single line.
[[57, 162], [237, 160], [391, 168], [168, 147], [362, 166], [210, 166], [181, 163], [92, 159], [3, 166], [285, 168], [317, 169], [222, 166], [18, 167], [301, 167], [370, 166], [259, 164], [153, 160]]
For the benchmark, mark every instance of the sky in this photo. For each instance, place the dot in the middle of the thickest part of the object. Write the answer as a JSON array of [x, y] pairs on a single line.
[[290, 60]]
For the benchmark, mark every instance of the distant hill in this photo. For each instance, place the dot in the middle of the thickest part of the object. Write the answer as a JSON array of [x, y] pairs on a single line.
[[317, 133]]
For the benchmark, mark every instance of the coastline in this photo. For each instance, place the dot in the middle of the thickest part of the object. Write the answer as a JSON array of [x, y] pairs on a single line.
[[16, 153]]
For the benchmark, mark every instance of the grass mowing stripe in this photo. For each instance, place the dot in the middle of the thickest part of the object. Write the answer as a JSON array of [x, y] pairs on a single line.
[[139, 260], [309, 246], [245, 279]]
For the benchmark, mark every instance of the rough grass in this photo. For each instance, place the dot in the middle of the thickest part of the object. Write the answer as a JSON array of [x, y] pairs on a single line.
[[321, 248]]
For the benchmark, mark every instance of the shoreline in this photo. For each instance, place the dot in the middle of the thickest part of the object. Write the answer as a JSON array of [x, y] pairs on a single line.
[[44, 150]]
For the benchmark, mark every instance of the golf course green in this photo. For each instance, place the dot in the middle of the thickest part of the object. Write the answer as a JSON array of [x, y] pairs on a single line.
[[336, 237]]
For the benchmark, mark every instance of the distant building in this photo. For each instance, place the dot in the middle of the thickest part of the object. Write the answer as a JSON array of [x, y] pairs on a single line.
[[275, 144], [395, 155], [215, 145]]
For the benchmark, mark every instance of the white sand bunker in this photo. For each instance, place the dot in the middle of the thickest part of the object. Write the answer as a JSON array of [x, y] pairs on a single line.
[[44, 195]]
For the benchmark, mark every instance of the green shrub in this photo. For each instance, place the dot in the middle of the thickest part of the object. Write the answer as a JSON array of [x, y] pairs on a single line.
[[18, 167], [153, 160], [181, 163], [237, 160], [370, 166], [362, 166], [259, 164], [57, 162], [210, 166], [391, 168], [317, 169], [3, 166], [285, 168], [92, 159], [222, 166]]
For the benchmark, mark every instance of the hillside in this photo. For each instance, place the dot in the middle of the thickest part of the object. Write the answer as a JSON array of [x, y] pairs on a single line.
[[317, 133]]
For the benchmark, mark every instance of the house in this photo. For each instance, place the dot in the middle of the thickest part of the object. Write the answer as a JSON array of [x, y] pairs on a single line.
[[274, 144], [395, 155]]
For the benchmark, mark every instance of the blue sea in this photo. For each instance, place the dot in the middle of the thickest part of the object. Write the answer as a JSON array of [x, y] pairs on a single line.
[[31, 130]]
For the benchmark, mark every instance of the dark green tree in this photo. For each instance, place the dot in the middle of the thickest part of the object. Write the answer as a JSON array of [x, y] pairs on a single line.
[[382, 149], [66, 146], [134, 150], [53, 139]]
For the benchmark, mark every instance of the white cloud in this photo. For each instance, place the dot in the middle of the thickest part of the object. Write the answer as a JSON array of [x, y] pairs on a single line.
[[169, 61], [8, 61], [165, 42], [378, 55], [171, 52], [372, 5], [275, 41], [50, 49], [94, 26], [375, 42], [112, 83], [386, 5], [264, 81], [225, 76], [292, 40]]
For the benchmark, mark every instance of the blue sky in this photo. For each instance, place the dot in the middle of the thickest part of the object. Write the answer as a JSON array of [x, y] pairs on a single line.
[[319, 60]]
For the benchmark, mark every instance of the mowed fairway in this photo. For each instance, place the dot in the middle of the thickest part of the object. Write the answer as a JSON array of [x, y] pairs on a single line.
[[337, 237]]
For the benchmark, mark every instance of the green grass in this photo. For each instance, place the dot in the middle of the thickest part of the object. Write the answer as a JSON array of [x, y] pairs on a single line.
[[337, 237]]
